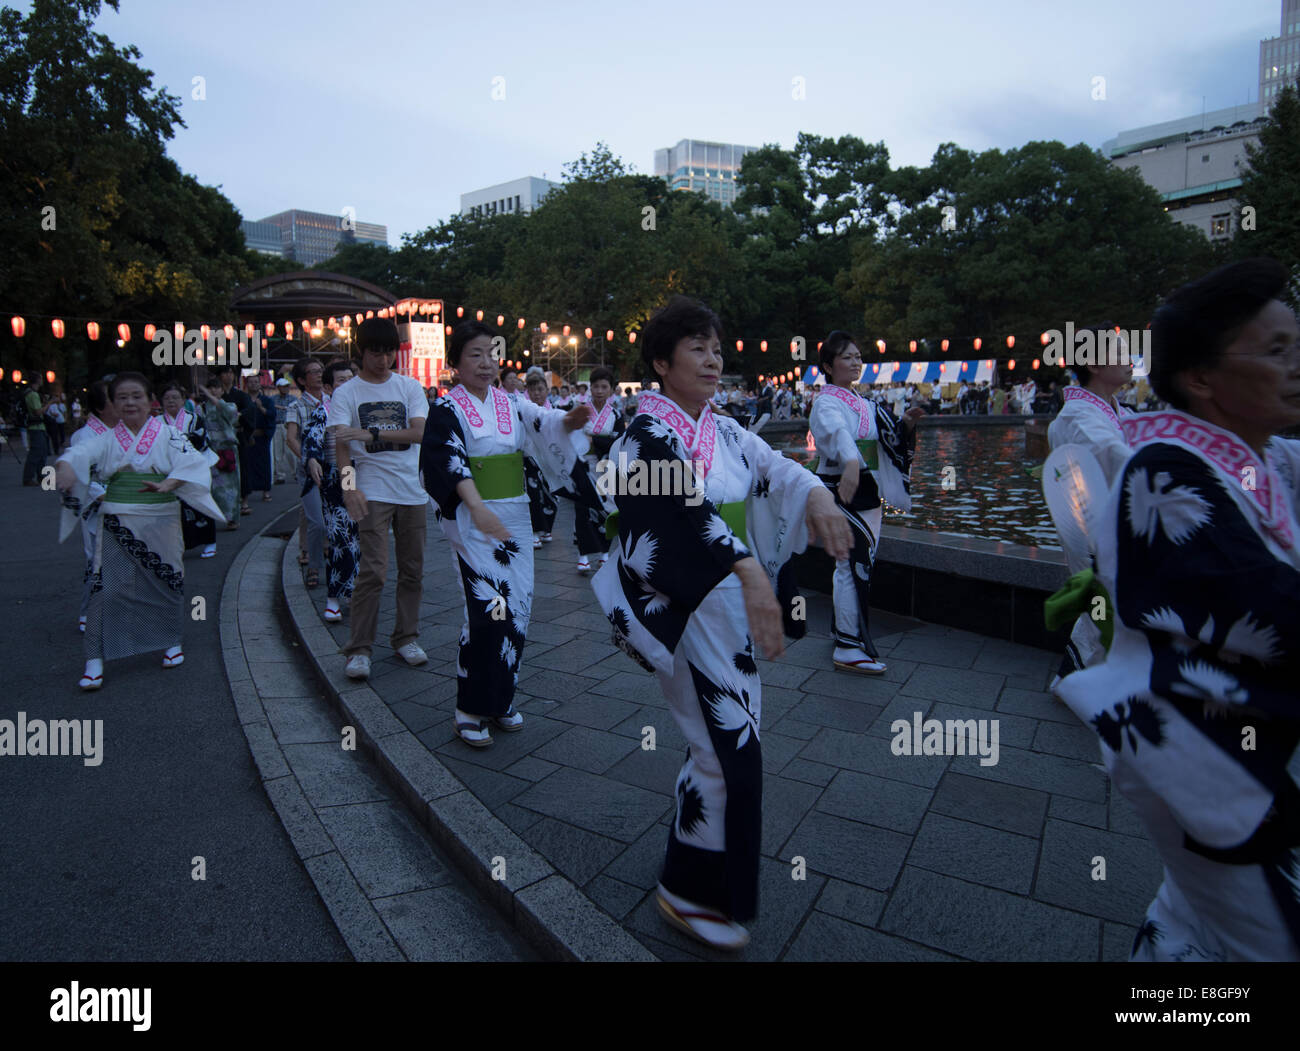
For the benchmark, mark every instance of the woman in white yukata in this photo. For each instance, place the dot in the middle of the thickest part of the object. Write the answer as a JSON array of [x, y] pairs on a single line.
[[196, 528], [101, 419], [864, 456], [1091, 418], [1196, 703], [541, 501], [690, 581], [137, 588], [591, 507], [472, 462]]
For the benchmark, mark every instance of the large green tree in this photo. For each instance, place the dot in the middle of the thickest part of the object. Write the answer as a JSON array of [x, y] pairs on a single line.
[[97, 221], [1270, 187]]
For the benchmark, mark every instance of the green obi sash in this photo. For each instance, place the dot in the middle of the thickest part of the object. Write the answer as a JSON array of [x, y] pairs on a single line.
[[1076, 598], [733, 514], [124, 488], [498, 477], [868, 447]]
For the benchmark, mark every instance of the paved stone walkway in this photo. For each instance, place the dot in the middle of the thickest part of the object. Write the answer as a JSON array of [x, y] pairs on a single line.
[[906, 857]]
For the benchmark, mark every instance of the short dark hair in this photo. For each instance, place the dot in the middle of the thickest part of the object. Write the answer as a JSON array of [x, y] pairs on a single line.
[[463, 333], [300, 369], [1199, 321], [97, 396], [227, 367], [831, 347], [377, 333], [509, 370], [682, 318], [334, 368], [172, 385], [601, 373], [1101, 328], [130, 377]]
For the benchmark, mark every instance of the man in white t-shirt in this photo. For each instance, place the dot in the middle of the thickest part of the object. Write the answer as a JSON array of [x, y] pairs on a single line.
[[378, 424]]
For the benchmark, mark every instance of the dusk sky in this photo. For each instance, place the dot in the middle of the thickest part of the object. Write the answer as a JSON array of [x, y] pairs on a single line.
[[387, 106]]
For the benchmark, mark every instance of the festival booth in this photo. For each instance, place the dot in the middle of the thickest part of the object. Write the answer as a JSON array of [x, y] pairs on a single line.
[[422, 352], [928, 372]]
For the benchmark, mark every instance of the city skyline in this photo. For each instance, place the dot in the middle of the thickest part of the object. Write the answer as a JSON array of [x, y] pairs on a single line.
[[332, 137]]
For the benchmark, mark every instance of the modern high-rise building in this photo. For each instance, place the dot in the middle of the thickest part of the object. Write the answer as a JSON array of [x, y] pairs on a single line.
[[1279, 56], [1195, 163], [310, 238], [262, 237], [518, 195], [702, 167]]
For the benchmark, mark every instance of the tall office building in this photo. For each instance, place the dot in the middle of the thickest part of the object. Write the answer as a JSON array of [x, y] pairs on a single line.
[[518, 195], [310, 238], [1279, 56], [702, 167], [262, 237]]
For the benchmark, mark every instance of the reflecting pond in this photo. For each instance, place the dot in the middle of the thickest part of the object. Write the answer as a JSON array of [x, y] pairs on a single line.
[[992, 495]]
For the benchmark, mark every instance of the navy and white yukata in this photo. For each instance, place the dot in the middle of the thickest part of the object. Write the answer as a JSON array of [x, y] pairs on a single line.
[[496, 577], [343, 554], [678, 610], [591, 507], [1094, 423], [839, 419], [1198, 701], [196, 527]]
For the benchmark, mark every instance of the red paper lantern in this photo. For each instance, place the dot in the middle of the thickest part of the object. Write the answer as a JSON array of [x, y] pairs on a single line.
[[740, 346], [542, 326], [460, 311], [943, 369], [566, 330], [520, 323], [912, 346], [609, 334], [479, 315], [449, 330], [320, 323], [263, 342], [16, 376], [944, 345], [763, 346], [1011, 364], [963, 366], [92, 329], [1035, 364], [56, 326], [1043, 339], [124, 332], [249, 329], [631, 337], [288, 329], [229, 330], [588, 332], [760, 377], [797, 370], [49, 376], [150, 331], [1011, 342], [875, 368], [880, 345], [978, 343], [179, 331], [18, 325], [369, 314], [332, 324], [270, 328], [501, 320]]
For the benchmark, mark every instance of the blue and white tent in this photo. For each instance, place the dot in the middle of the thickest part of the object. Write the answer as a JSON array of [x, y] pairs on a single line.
[[928, 372]]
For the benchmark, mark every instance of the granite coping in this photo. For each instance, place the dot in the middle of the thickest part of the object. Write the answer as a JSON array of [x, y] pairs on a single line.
[[555, 916]]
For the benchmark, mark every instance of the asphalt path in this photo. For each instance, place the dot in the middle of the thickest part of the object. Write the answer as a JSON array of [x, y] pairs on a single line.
[[97, 862]]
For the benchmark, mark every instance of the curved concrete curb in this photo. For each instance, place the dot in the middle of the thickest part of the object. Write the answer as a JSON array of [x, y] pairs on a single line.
[[559, 920]]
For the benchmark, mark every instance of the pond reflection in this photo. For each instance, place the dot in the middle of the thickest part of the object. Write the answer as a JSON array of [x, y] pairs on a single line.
[[992, 498]]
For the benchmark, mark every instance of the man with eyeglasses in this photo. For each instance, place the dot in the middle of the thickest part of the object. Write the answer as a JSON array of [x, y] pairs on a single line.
[[1197, 703]]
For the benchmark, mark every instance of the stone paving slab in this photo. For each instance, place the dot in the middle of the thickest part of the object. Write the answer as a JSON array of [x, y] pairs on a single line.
[[903, 856]]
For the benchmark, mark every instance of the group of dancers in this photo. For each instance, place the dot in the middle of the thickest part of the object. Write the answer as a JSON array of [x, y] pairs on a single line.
[[1204, 572]]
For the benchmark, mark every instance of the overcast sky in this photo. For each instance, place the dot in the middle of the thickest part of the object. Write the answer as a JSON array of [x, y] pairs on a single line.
[[388, 107]]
